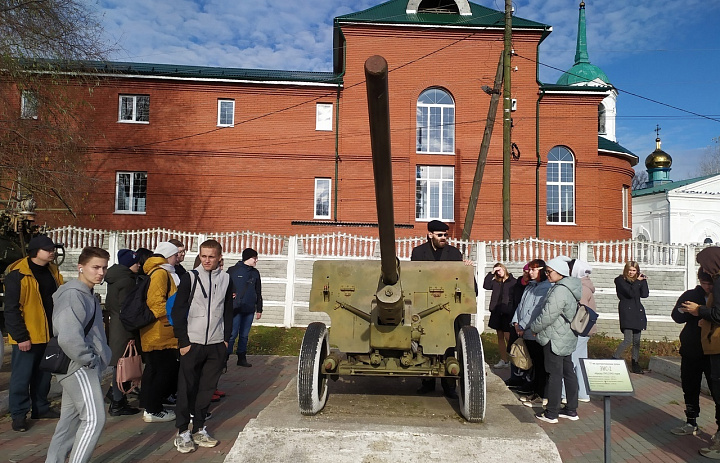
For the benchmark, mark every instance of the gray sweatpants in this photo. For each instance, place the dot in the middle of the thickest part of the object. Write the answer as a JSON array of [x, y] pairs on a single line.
[[82, 417]]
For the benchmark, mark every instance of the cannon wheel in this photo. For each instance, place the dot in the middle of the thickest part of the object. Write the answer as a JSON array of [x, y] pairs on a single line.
[[472, 376], [59, 255], [311, 382]]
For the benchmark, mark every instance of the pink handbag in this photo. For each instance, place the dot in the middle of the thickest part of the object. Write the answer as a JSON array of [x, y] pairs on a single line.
[[129, 369]]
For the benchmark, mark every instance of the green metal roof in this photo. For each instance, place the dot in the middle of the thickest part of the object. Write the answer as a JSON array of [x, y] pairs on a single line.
[[583, 71], [669, 186], [575, 88], [206, 72], [608, 145], [393, 12]]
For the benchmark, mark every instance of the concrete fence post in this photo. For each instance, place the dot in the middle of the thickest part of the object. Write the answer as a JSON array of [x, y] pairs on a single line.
[[480, 264], [292, 254], [113, 246], [689, 266]]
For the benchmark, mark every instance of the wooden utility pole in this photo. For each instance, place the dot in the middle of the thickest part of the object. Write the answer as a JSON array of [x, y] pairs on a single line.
[[507, 119], [484, 148]]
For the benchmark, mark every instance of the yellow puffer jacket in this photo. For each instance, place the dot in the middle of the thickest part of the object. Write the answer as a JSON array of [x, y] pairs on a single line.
[[159, 334], [31, 306]]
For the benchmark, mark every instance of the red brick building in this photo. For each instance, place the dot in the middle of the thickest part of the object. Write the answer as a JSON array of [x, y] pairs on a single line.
[[215, 149]]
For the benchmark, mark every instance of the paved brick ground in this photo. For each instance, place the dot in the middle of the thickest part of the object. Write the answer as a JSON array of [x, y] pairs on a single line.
[[640, 424], [129, 439]]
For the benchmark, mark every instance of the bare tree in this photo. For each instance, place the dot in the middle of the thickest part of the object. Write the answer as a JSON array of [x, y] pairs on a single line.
[[639, 180], [710, 162], [44, 94]]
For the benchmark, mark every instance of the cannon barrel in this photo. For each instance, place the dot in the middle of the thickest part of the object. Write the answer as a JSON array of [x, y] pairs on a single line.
[[376, 78]]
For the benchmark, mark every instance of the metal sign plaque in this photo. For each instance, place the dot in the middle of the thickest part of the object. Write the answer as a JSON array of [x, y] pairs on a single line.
[[607, 377]]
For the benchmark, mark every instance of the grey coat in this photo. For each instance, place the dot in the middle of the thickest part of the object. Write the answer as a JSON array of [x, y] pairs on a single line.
[[553, 322]]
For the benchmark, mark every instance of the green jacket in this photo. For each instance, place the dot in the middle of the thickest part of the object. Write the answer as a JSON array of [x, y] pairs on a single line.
[[553, 322]]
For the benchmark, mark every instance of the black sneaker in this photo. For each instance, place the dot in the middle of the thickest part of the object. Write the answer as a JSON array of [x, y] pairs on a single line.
[[19, 424], [568, 414], [170, 400], [545, 416]]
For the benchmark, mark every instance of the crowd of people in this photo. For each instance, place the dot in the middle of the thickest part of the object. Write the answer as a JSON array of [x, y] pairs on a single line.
[[197, 315], [538, 307]]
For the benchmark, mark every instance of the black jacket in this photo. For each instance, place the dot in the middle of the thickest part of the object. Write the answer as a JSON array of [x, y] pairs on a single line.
[[425, 252], [690, 345], [502, 293], [248, 288], [120, 280], [630, 309]]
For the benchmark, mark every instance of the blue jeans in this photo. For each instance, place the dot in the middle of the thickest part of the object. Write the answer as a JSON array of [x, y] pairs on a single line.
[[241, 326], [29, 387]]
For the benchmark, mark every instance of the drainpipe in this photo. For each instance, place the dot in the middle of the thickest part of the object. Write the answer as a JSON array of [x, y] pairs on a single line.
[[337, 151], [546, 32], [539, 163], [337, 128]]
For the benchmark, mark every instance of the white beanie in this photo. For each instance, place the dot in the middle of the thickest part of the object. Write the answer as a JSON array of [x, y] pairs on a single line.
[[559, 265], [166, 249]]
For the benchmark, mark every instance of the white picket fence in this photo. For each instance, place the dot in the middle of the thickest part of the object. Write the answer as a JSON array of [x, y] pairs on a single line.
[[286, 264], [342, 245]]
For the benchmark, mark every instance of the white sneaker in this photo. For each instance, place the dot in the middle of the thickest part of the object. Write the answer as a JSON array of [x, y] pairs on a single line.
[[159, 417], [184, 442], [203, 439], [501, 364]]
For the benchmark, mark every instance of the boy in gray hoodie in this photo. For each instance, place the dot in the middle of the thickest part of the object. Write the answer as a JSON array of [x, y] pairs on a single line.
[[82, 413]]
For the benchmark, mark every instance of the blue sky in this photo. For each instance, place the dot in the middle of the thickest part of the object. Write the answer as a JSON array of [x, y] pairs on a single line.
[[662, 50]]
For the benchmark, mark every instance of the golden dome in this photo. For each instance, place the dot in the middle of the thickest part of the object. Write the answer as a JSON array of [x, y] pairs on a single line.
[[658, 159]]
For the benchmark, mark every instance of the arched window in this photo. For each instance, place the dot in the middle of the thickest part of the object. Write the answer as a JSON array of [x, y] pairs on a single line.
[[560, 186], [435, 122], [601, 119]]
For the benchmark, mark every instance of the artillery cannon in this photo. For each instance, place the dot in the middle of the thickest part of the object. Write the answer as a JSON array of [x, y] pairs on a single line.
[[388, 322]]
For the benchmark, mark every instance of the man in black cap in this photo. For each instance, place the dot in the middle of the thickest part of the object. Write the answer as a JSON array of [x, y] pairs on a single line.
[[29, 287], [247, 302], [437, 249]]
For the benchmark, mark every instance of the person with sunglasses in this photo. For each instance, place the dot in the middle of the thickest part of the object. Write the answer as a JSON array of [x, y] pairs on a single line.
[[437, 249]]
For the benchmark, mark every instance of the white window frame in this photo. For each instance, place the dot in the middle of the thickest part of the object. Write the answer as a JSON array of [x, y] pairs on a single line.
[[561, 186], [29, 105], [435, 193], [424, 128], [134, 115], [324, 117], [131, 200], [320, 190], [221, 103], [626, 206]]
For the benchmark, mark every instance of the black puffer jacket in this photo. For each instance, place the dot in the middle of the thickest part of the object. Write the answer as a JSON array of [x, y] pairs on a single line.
[[502, 293], [120, 280], [630, 309], [690, 345]]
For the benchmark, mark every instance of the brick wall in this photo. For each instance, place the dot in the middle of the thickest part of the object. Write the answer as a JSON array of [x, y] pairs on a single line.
[[260, 173]]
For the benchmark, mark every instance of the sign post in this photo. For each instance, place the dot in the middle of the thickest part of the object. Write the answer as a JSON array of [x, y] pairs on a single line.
[[607, 377]]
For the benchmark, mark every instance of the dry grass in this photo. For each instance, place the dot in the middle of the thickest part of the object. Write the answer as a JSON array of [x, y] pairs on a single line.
[[265, 340], [599, 346]]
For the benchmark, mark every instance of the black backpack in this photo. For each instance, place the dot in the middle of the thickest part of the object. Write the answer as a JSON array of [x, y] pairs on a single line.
[[135, 313]]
